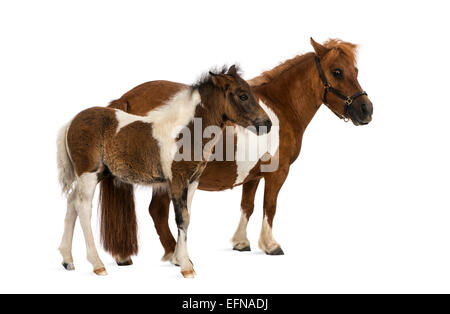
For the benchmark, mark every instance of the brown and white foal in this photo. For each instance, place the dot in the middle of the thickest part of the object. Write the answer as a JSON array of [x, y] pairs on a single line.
[[101, 142], [291, 94]]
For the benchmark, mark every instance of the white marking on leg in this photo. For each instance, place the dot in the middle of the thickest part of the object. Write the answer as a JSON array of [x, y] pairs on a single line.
[[85, 189], [180, 255], [240, 240], [191, 190], [250, 148], [167, 120], [69, 224], [266, 241]]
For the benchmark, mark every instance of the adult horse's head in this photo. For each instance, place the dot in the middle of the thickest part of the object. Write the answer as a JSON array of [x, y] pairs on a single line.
[[240, 105], [336, 67]]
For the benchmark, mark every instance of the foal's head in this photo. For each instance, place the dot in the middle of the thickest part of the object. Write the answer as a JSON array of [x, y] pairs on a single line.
[[344, 96], [239, 105]]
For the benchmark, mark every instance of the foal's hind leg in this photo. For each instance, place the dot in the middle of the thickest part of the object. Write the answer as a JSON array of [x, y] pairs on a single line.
[[69, 224], [182, 197], [240, 240], [85, 189]]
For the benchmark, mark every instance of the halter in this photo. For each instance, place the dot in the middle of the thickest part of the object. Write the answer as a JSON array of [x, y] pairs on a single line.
[[348, 99]]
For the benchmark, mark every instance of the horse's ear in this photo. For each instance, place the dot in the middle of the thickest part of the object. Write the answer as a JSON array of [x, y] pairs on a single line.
[[220, 81], [320, 50], [232, 70]]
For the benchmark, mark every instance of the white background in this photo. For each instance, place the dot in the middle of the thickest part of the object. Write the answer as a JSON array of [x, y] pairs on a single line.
[[365, 209]]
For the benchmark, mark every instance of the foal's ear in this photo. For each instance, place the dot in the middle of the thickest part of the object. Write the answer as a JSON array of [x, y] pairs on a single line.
[[220, 80], [232, 70], [320, 50]]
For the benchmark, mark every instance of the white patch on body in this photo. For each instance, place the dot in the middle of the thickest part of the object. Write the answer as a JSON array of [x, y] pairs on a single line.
[[167, 120], [250, 148]]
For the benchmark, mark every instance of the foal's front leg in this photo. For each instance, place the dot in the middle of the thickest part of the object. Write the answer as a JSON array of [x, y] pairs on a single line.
[[182, 197]]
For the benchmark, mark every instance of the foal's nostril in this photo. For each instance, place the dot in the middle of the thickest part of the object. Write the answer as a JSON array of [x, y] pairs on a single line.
[[263, 125]]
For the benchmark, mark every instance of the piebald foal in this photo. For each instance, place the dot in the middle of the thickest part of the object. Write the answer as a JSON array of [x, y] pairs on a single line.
[[101, 142], [291, 94]]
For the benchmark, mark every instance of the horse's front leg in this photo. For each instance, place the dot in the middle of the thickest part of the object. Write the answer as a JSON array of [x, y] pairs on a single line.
[[240, 240], [181, 198], [273, 183], [159, 210]]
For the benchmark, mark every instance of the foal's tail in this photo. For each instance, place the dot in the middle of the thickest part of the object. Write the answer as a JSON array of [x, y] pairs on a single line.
[[66, 173]]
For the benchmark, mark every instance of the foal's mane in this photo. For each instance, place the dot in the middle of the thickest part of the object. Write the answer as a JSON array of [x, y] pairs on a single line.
[[206, 78], [338, 45]]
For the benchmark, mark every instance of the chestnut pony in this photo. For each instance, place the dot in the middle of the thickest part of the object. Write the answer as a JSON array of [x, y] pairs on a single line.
[[291, 94], [106, 142]]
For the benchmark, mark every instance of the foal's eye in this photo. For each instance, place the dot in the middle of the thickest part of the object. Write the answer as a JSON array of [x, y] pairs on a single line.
[[337, 73], [243, 97]]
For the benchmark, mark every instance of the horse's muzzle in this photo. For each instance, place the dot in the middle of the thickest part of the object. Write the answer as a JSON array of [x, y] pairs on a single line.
[[361, 112]]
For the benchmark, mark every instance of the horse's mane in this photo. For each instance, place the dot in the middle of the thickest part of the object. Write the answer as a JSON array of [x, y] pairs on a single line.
[[346, 48], [349, 49]]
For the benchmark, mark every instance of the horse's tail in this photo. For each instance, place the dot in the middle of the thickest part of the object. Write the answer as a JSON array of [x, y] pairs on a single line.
[[66, 173], [118, 227]]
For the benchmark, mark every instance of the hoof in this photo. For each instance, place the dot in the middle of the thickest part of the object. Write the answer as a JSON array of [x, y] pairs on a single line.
[[126, 262], [100, 271], [277, 251], [68, 266], [188, 273], [242, 249]]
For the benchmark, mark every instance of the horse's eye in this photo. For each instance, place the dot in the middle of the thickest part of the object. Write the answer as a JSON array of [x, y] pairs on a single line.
[[243, 97], [337, 73]]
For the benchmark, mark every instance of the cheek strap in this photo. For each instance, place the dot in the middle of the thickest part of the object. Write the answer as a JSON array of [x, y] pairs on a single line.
[[348, 100]]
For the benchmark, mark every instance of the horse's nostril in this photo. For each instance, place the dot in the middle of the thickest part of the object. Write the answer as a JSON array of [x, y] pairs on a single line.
[[364, 108]]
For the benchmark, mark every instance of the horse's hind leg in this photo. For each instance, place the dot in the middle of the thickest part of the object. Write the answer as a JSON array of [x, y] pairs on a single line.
[[240, 240], [85, 192], [159, 210], [69, 224]]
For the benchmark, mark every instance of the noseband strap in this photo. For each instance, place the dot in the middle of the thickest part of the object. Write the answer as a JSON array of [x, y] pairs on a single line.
[[348, 100]]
